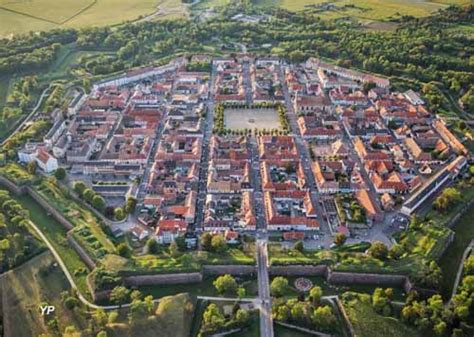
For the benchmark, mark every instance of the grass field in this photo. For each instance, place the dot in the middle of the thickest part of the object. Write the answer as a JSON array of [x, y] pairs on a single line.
[[281, 331], [449, 263], [26, 288], [19, 16], [56, 234], [4, 87], [367, 323], [74, 212], [364, 9], [367, 9], [205, 288]]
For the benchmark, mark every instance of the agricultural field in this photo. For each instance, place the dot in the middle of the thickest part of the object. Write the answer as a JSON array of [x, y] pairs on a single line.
[[18, 16], [362, 9], [365, 9]]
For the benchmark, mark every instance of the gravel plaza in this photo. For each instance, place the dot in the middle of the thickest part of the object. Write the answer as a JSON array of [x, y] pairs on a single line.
[[238, 119]]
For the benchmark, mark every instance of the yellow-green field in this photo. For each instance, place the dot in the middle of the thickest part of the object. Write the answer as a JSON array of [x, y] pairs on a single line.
[[369, 9], [22, 16], [364, 9]]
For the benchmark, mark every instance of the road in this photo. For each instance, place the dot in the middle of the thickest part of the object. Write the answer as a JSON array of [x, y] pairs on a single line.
[[266, 320], [205, 155], [304, 153]]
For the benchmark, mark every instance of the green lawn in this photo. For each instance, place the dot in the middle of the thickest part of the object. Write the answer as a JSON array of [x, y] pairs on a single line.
[[186, 262], [367, 323], [281, 331], [56, 234], [253, 329], [4, 87], [205, 288], [26, 287], [78, 215], [449, 263]]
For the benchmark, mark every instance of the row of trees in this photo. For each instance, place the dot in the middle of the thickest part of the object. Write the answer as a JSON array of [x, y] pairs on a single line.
[[16, 242], [90, 196], [98, 202]]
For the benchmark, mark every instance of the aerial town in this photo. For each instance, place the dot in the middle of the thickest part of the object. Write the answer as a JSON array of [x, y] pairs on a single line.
[[278, 161], [347, 155], [236, 168]]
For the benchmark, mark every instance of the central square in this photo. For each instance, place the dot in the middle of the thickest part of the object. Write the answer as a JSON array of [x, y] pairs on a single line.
[[251, 118]]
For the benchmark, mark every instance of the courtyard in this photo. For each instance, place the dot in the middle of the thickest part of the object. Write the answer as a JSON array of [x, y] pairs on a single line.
[[238, 119]]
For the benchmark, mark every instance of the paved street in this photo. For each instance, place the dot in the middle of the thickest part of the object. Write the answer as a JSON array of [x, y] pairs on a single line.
[[266, 320], [203, 168], [304, 153]]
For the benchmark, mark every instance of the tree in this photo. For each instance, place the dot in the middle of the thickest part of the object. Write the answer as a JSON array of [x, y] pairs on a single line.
[[149, 303], [119, 214], [213, 319], [152, 246], [88, 194], [225, 284], [79, 187], [282, 313], [298, 312], [469, 265], [113, 315], [119, 295], [378, 250], [123, 250], [339, 239], [180, 243], [136, 295], [31, 167], [242, 316], [60, 173], [98, 203], [279, 286], [218, 243], [447, 199], [315, 295], [440, 328], [71, 302], [299, 246], [130, 205], [241, 292], [380, 302], [100, 318], [396, 251], [206, 239], [324, 317]]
